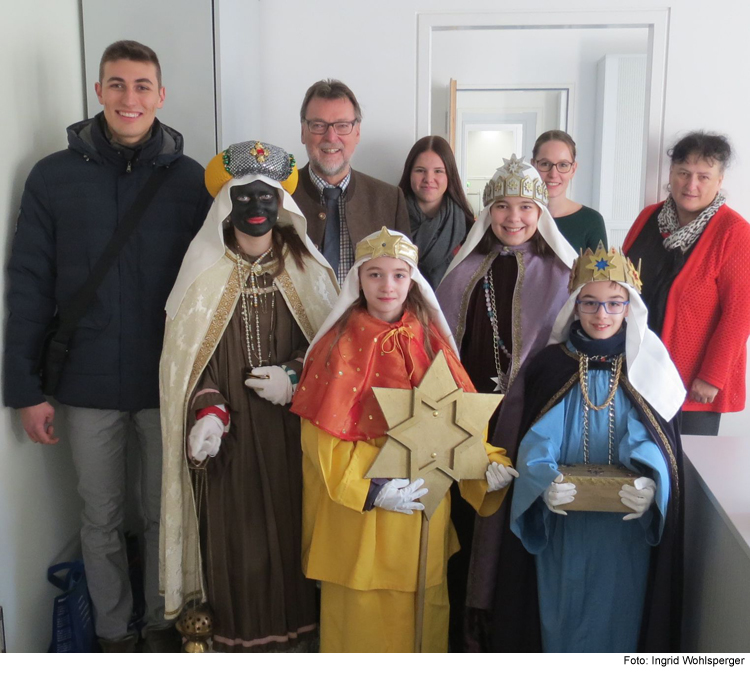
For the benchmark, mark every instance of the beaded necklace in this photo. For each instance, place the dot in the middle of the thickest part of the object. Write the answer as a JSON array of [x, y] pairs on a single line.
[[501, 380], [254, 299]]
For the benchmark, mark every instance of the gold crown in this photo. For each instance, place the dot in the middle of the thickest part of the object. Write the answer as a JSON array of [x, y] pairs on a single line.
[[604, 266], [387, 243], [511, 179]]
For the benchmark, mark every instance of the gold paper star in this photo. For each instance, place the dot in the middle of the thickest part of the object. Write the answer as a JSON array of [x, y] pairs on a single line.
[[436, 433], [384, 244]]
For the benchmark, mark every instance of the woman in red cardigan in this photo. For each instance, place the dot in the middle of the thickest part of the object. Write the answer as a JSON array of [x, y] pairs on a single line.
[[696, 258]]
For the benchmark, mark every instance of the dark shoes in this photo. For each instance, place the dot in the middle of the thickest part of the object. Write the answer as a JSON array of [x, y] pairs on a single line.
[[119, 645], [164, 640]]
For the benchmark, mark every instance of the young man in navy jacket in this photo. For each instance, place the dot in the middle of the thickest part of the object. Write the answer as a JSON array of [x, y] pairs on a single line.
[[72, 203]]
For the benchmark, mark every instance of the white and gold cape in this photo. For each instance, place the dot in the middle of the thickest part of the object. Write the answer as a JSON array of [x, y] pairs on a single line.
[[198, 312]]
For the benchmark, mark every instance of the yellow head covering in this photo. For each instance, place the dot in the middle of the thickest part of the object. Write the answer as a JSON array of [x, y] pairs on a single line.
[[251, 158]]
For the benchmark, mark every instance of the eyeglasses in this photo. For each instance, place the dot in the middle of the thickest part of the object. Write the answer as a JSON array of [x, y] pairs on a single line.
[[562, 166], [610, 306], [339, 127]]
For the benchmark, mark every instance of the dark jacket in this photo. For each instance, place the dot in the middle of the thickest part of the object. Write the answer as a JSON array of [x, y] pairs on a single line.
[[514, 620], [71, 205], [370, 205]]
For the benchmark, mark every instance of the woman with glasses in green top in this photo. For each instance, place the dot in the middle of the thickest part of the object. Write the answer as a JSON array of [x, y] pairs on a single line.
[[554, 156]]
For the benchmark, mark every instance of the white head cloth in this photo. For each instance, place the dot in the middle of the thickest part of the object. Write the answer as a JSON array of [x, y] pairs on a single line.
[[650, 368], [546, 227], [350, 293], [207, 247]]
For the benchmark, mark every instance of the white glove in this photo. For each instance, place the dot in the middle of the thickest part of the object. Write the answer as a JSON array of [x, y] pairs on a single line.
[[499, 476], [638, 496], [205, 438], [400, 495], [559, 493], [277, 388]]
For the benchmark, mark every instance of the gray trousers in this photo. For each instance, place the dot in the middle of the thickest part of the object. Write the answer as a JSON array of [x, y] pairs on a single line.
[[699, 422], [98, 439]]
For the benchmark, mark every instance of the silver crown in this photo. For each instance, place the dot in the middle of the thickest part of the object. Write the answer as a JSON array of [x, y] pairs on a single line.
[[515, 178], [258, 158]]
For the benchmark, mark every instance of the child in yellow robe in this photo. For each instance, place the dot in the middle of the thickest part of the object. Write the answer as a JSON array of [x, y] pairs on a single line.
[[361, 537]]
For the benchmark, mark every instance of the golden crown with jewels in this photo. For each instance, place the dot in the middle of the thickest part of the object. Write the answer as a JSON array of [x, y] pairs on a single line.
[[603, 265], [385, 242], [515, 178]]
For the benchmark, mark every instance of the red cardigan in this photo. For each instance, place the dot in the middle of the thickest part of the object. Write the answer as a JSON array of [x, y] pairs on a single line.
[[707, 319]]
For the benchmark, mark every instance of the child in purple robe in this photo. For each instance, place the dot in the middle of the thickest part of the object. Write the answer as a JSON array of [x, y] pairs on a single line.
[[501, 295]]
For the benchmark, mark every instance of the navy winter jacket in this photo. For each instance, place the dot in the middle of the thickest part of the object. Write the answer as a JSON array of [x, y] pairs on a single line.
[[71, 205]]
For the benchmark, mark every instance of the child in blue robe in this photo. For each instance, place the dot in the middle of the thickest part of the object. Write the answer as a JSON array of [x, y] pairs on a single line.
[[598, 579]]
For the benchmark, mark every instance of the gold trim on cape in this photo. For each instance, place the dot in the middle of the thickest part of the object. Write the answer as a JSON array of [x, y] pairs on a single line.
[[463, 310], [569, 352], [647, 410], [516, 352], [556, 397], [293, 302], [193, 595], [216, 329]]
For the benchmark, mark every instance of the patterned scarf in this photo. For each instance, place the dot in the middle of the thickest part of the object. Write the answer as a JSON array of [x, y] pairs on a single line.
[[684, 237]]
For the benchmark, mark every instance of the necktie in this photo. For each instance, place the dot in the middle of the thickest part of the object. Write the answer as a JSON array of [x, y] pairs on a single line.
[[332, 236]]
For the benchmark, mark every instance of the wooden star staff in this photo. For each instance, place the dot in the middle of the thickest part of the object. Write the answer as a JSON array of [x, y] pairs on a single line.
[[436, 432]]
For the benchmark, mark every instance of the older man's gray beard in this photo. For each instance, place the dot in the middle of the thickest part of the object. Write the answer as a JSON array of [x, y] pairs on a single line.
[[329, 170]]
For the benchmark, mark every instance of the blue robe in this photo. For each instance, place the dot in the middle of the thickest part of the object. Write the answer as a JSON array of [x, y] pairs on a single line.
[[592, 568]]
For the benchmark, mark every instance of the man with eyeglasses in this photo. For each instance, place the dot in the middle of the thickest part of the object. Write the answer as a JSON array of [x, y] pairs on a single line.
[[341, 205]]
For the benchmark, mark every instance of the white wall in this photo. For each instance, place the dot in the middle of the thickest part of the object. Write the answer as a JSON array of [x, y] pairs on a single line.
[[41, 76], [239, 85]]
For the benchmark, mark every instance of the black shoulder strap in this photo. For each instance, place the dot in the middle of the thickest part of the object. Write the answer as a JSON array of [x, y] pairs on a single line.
[[71, 314]]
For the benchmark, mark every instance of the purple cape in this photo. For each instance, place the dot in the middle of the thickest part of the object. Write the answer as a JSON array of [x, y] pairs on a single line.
[[541, 291]]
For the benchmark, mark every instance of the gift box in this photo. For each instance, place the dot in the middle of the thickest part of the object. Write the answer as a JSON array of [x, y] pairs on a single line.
[[598, 487]]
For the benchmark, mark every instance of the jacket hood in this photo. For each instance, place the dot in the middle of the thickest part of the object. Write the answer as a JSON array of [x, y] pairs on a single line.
[[88, 139]]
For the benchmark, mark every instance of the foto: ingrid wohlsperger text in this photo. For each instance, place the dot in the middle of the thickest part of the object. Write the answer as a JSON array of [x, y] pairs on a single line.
[[689, 660]]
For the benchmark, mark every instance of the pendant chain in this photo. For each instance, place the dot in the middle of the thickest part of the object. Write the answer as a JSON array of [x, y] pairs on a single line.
[[614, 380], [497, 342], [254, 301]]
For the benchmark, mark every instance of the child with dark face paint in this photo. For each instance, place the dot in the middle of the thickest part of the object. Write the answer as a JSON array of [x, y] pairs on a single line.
[[255, 209], [251, 293]]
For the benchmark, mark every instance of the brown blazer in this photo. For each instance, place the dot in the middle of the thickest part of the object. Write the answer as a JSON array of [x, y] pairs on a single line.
[[370, 205]]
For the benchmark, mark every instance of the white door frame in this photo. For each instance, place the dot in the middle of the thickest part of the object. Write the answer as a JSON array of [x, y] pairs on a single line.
[[656, 21]]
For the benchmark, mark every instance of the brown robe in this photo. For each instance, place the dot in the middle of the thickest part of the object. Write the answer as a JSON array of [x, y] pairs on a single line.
[[251, 512]]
